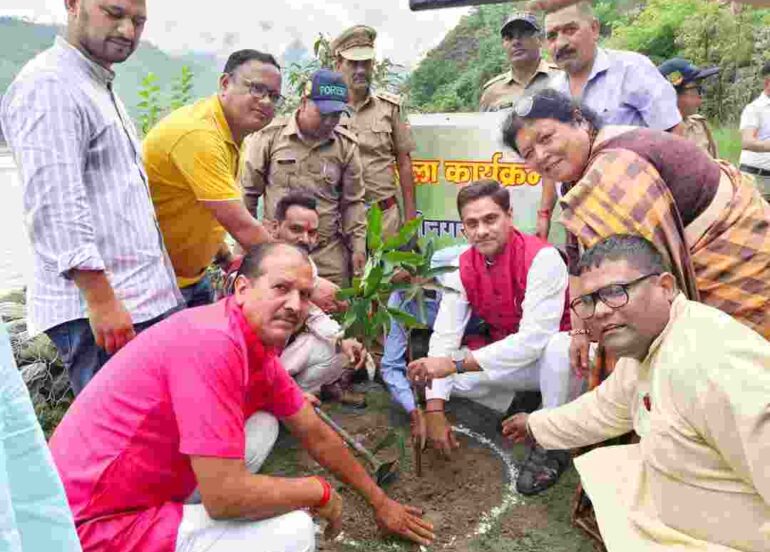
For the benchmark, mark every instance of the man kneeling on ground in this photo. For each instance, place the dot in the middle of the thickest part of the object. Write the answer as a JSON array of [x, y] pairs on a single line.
[[694, 383], [517, 284], [193, 403], [316, 356]]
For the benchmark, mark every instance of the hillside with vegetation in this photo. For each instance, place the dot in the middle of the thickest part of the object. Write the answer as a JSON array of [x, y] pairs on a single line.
[[704, 31], [21, 40]]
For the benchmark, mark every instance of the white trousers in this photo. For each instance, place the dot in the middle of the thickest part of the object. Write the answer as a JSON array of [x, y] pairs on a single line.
[[292, 532], [313, 362], [550, 374]]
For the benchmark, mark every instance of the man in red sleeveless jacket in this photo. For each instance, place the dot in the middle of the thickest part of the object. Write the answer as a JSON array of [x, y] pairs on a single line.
[[518, 285]]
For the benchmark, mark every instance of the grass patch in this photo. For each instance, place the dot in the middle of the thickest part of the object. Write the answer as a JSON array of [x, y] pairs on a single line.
[[728, 141]]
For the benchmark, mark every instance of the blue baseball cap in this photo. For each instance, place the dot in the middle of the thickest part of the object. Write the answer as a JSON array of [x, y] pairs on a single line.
[[679, 72], [328, 91]]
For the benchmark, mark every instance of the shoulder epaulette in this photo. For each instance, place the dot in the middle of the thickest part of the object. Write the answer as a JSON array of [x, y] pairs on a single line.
[[498, 78], [389, 97], [278, 122]]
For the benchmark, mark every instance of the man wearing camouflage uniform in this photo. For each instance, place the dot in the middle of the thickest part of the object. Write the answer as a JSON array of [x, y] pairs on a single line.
[[378, 120], [309, 151]]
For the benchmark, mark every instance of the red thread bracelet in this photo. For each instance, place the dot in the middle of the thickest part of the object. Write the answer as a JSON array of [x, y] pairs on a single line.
[[327, 492]]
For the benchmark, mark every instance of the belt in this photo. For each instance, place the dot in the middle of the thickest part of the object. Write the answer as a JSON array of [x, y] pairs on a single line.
[[386, 204], [755, 170]]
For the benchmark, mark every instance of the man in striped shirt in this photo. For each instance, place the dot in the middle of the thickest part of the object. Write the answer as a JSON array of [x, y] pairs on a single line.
[[101, 272]]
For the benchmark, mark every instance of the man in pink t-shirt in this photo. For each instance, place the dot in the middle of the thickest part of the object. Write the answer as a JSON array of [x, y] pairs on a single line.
[[192, 403]]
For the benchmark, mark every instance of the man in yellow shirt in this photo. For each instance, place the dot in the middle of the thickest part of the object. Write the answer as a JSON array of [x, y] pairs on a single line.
[[694, 384], [192, 158]]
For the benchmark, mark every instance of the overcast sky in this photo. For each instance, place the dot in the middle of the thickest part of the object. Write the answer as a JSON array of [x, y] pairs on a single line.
[[179, 25]]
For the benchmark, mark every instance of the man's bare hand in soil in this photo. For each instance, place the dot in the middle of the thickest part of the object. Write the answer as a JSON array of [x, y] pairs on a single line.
[[404, 521], [417, 425], [516, 428], [332, 513], [439, 431]]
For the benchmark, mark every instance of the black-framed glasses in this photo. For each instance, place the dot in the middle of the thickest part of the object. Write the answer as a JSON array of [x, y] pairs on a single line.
[[613, 295], [259, 91]]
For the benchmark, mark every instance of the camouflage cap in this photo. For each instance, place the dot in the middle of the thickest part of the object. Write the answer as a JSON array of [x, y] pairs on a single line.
[[355, 43]]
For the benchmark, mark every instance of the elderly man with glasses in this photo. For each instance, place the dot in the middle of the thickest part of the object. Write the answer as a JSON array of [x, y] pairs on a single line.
[[192, 159], [693, 383]]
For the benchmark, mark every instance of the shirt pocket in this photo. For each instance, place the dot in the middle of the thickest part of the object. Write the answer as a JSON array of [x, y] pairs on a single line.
[[378, 138], [283, 172]]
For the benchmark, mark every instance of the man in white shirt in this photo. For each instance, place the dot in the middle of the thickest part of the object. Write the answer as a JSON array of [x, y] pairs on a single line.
[[755, 136], [517, 284]]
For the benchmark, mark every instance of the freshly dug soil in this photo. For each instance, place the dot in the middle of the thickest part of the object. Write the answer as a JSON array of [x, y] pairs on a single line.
[[454, 493]]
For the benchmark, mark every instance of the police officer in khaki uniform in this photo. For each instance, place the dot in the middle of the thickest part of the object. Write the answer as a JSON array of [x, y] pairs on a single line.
[[522, 39], [686, 80], [377, 119], [309, 151]]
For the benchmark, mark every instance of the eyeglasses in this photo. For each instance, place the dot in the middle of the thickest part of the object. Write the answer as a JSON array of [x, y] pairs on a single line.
[[259, 91], [613, 295]]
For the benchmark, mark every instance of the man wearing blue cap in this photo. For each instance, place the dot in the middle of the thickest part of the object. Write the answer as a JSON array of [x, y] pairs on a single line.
[[309, 151], [686, 79]]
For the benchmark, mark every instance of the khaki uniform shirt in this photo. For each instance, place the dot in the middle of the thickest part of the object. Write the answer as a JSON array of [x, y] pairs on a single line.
[[383, 133], [698, 480], [697, 129], [278, 159], [501, 91]]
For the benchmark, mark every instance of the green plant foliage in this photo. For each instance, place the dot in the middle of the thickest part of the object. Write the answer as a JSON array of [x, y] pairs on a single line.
[[181, 88], [150, 108], [368, 317]]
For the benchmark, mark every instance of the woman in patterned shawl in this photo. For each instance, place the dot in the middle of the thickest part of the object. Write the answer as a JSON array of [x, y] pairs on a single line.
[[704, 215]]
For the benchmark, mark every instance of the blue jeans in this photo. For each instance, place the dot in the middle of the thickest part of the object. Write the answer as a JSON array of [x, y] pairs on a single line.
[[198, 294], [81, 355]]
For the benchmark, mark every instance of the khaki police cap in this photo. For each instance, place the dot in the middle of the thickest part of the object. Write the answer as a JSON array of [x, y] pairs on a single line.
[[355, 43]]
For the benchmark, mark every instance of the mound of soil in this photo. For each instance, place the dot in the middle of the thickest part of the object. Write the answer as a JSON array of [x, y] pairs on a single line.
[[453, 493]]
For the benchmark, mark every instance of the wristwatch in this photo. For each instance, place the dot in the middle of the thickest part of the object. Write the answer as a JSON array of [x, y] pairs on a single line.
[[458, 357]]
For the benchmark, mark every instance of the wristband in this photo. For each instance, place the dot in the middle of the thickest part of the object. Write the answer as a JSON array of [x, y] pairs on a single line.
[[433, 411], [578, 331], [544, 213], [327, 492]]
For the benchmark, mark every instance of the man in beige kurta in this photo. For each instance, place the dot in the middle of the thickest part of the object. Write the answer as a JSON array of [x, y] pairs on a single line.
[[695, 385]]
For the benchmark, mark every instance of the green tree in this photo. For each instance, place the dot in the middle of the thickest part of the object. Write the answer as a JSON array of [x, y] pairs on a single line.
[[654, 30]]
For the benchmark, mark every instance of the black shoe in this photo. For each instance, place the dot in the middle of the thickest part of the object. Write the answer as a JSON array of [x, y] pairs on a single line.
[[524, 401], [541, 470]]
